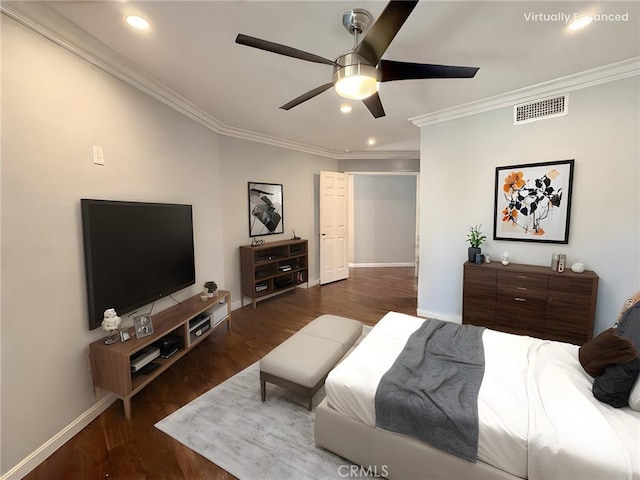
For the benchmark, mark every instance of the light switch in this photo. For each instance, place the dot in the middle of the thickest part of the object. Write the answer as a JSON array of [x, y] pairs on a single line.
[[98, 155]]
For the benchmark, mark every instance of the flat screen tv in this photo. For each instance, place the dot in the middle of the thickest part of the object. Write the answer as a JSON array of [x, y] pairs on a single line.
[[135, 253]]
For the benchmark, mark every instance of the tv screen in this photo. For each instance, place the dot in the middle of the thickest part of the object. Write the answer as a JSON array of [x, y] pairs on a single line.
[[135, 253]]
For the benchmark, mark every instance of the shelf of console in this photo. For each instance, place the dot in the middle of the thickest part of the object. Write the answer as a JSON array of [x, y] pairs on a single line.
[[111, 364]]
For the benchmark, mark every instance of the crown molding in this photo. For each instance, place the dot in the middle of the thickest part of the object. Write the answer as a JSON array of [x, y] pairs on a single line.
[[589, 78], [45, 21]]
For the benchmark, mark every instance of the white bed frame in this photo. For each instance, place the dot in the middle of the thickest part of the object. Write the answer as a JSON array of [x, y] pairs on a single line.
[[397, 457]]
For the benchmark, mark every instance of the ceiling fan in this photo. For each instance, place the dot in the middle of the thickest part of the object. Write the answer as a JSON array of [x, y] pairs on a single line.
[[356, 74]]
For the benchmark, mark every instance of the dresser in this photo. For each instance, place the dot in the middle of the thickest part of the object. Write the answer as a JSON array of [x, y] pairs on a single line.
[[530, 300]]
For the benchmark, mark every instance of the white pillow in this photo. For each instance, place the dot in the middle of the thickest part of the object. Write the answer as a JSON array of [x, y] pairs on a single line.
[[634, 396]]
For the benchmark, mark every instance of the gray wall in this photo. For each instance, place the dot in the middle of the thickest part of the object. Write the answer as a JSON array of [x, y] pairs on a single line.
[[55, 106], [458, 161], [380, 165], [384, 219], [243, 161]]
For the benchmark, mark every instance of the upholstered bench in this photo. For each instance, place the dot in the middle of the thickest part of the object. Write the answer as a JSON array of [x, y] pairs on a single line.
[[302, 362]]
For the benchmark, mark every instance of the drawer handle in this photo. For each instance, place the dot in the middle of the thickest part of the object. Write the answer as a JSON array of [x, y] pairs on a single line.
[[522, 276], [520, 299], [522, 288]]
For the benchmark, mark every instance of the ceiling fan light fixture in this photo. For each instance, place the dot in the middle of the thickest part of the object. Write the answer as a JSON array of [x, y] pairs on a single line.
[[355, 80], [357, 87]]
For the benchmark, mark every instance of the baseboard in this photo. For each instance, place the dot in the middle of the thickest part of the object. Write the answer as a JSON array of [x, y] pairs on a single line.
[[447, 318], [54, 443], [377, 265]]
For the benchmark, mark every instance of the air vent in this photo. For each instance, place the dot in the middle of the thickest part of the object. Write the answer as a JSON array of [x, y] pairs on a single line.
[[540, 109]]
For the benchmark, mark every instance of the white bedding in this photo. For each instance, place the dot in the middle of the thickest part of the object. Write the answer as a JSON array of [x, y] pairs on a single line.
[[537, 416]]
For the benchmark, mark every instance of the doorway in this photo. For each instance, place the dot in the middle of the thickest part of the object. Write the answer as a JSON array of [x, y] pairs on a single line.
[[383, 219]]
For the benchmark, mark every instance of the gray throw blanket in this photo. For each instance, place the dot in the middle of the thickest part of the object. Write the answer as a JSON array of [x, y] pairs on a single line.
[[431, 391]]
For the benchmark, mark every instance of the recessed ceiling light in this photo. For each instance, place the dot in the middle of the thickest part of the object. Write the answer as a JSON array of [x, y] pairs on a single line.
[[137, 22], [345, 109], [371, 141], [580, 21]]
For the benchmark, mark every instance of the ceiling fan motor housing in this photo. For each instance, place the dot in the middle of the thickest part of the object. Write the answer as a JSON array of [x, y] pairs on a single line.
[[353, 69]]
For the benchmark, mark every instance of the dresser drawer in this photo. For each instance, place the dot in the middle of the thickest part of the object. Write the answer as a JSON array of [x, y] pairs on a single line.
[[530, 280], [521, 316], [521, 304]]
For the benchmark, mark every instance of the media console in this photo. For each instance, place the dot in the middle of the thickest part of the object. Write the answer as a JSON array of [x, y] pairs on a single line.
[[273, 268], [111, 365]]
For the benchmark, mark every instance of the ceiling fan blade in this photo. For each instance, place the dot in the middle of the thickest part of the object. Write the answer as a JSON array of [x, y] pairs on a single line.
[[374, 105], [280, 49], [377, 39], [391, 70], [306, 96]]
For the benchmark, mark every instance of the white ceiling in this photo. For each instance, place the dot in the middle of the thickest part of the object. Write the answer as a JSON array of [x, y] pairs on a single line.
[[190, 50]]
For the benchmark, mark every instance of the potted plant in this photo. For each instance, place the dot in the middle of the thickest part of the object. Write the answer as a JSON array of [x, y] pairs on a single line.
[[211, 288], [475, 239]]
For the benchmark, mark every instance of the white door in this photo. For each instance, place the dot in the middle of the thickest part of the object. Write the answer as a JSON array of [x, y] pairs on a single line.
[[333, 226]]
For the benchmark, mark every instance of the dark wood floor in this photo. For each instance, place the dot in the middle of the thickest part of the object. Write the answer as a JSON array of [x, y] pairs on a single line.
[[115, 448]]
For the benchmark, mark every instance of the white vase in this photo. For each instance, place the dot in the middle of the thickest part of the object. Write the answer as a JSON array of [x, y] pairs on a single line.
[[578, 267]]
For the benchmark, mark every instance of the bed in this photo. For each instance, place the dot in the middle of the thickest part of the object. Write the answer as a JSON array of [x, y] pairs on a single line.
[[536, 415]]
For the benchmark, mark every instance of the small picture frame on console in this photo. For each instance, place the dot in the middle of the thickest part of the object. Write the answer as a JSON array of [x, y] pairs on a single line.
[[124, 335], [143, 325]]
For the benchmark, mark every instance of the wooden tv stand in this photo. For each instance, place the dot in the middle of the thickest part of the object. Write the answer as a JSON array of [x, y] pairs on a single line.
[[273, 268], [111, 364]]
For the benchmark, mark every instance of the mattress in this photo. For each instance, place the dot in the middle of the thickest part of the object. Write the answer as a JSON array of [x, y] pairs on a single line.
[[537, 415]]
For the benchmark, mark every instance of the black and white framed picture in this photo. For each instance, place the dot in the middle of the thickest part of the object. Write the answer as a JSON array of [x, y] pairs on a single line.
[[533, 202], [143, 325], [265, 209]]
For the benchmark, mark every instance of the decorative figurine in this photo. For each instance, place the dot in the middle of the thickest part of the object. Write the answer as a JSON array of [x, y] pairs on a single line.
[[111, 323], [505, 258]]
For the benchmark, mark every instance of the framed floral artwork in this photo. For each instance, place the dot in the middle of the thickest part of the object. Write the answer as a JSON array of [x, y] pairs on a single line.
[[533, 202]]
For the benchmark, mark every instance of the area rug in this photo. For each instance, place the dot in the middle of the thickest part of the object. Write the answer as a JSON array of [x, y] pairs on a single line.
[[230, 426]]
